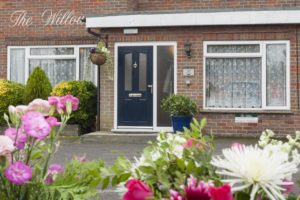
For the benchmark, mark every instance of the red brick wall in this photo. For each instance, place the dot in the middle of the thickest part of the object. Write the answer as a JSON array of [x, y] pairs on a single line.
[[220, 123], [166, 5]]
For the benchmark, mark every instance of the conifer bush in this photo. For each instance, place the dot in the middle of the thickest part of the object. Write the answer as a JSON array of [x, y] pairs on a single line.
[[11, 93], [86, 92], [38, 86]]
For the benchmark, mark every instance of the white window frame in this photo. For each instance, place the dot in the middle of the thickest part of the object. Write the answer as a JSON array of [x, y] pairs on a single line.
[[262, 55], [75, 56], [154, 127]]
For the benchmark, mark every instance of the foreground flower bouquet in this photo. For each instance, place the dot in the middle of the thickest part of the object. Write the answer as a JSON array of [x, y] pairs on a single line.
[[26, 149], [182, 167]]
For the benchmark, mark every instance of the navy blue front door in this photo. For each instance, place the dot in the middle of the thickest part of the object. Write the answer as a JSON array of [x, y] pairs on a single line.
[[135, 87]]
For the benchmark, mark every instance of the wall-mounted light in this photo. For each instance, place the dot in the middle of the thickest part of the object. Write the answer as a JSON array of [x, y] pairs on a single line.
[[187, 49]]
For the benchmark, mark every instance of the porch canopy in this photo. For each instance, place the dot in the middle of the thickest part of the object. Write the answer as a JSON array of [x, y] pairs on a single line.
[[194, 18]]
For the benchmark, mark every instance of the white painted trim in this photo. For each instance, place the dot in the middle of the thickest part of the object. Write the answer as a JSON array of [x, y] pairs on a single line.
[[196, 19], [262, 55], [154, 45], [8, 64]]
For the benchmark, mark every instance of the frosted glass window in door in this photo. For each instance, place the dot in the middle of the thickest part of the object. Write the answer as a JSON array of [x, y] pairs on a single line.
[[17, 65], [165, 81], [276, 74], [87, 70], [128, 72], [57, 70], [233, 82], [142, 72]]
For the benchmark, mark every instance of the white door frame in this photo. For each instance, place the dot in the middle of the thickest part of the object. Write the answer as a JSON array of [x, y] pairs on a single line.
[[154, 128]]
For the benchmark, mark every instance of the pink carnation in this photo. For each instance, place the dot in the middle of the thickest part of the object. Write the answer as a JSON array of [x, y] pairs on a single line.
[[53, 170], [6, 145], [39, 105], [60, 103], [18, 173], [18, 110], [52, 121], [176, 195], [220, 193], [195, 191], [137, 190], [35, 125], [18, 137]]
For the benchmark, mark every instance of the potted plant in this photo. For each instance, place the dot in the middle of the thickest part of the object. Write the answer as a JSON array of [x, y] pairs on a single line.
[[181, 109], [100, 55]]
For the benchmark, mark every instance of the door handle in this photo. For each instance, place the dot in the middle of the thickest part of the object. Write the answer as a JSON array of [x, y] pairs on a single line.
[[151, 88]]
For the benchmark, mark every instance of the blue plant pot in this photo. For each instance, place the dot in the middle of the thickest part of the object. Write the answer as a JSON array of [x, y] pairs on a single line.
[[178, 122]]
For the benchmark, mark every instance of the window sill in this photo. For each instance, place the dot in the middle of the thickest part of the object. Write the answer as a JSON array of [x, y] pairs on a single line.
[[247, 111]]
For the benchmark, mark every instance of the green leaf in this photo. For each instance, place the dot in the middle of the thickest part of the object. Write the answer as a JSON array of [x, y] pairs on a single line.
[[105, 182], [242, 196]]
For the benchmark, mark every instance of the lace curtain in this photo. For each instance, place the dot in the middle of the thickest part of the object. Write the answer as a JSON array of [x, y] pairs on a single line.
[[17, 65], [57, 70], [276, 75], [233, 82], [88, 71]]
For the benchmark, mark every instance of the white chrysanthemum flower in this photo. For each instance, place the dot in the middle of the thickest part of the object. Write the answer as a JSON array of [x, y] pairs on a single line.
[[251, 166]]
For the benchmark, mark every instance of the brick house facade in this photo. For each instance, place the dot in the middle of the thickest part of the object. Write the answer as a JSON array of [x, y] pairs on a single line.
[[220, 121]]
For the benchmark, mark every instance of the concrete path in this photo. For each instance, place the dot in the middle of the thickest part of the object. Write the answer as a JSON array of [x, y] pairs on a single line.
[[109, 150]]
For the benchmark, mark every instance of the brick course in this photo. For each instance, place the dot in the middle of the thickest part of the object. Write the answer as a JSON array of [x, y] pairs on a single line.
[[222, 123]]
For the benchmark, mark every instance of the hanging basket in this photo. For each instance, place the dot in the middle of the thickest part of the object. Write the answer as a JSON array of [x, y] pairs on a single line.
[[98, 58]]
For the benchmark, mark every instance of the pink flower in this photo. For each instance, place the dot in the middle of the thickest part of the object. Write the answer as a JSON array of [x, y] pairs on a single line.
[[60, 103], [6, 145], [238, 146], [137, 190], [220, 193], [35, 125], [39, 105], [195, 191], [18, 110], [53, 170], [176, 195], [18, 173], [189, 143], [18, 137], [289, 186], [52, 121]]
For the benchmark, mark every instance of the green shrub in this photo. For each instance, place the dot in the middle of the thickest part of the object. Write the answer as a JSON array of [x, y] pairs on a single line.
[[178, 105], [86, 92], [11, 93], [38, 86]]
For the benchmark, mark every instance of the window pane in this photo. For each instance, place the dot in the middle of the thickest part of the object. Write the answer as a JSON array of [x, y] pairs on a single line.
[[128, 72], [233, 82], [276, 75], [88, 71], [52, 51], [17, 65], [143, 72], [165, 80], [239, 48], [57, 70]]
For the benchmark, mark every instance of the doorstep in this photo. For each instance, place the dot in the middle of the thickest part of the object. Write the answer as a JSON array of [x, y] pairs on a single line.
[[103, 137]]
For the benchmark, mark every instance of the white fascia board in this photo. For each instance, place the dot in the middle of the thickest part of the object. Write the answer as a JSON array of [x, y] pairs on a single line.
[[196, 19]]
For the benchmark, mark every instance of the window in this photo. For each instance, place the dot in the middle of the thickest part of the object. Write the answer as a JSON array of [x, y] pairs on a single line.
[[60, 63], [246, 75]]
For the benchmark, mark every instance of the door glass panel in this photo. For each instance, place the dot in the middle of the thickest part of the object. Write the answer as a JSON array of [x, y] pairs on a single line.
[[128, 72], [276, 75], [165, 81], [142, 72]]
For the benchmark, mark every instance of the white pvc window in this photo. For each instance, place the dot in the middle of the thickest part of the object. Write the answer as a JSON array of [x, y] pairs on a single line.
[[60, 63], [251, 75]]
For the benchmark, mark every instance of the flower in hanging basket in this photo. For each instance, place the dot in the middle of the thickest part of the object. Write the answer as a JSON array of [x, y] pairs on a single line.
[[100, 55]]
